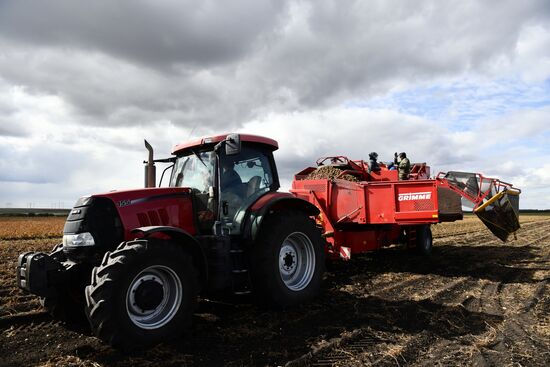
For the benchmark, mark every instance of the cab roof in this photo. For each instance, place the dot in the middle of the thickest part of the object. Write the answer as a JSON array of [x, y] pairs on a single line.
[[272, 144]]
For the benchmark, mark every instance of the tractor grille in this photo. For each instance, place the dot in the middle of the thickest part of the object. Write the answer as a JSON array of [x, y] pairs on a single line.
[[153, 218], [100, 217]]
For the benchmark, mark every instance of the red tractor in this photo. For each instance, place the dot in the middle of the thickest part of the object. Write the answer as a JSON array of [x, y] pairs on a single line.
[[134, 262]]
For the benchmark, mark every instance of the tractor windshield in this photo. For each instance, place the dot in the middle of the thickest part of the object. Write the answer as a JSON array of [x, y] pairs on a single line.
[[195, 171]]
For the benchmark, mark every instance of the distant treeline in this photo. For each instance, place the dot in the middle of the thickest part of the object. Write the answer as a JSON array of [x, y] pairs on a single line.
[[33, 212]]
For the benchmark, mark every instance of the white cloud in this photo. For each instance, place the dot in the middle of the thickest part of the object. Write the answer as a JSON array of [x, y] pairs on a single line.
[[533, 52], [355, 132]]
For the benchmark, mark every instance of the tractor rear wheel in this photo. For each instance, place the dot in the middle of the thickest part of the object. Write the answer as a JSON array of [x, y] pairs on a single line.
[[143, 293], [67, 303], [288, 260]]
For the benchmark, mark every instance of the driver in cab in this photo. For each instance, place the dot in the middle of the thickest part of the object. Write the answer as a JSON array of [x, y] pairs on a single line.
[[230, 180]]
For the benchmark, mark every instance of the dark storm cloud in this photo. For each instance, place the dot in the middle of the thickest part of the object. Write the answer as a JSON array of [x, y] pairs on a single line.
[[367, 47], [131, 62], [215, 65], [157, 33]]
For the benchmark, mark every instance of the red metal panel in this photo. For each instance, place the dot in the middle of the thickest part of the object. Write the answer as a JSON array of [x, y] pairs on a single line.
[[217, 138], [416, 217], [390, 204], [364, 241], [384, 175], [416, 196], [138, 206], [347, 202], [381, 203], [267, 198]]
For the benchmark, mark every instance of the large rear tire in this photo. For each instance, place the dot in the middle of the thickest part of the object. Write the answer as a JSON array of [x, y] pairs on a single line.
[[288, 260], [67, 303], [143, 293]]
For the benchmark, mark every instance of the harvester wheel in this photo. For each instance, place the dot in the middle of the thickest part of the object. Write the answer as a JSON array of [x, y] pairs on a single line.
[[288, 261], [424, 240], [67, 303], [143, 293]]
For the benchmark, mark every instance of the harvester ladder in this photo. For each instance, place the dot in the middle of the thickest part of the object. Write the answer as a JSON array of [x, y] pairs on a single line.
[[240, 274]]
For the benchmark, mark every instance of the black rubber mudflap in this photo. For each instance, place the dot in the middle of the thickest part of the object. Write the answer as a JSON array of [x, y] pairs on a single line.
[[502, 216]]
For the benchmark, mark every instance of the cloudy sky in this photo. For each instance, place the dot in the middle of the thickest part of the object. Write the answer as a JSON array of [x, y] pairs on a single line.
[[462, 86]]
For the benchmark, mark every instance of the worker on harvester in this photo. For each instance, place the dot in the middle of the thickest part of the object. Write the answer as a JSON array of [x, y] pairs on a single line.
[[373, 162], [403, 165]]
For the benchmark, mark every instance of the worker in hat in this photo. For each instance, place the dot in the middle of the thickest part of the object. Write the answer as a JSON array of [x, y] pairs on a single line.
[[403, 165], [373, 162]]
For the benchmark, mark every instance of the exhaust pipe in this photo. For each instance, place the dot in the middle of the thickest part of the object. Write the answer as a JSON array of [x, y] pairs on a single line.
[[150, 169]]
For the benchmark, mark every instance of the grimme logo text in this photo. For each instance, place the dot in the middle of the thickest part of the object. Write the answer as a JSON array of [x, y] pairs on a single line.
[[415, 196]]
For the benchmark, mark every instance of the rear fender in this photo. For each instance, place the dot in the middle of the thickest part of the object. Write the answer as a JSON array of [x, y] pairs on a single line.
[[270, 204], [183, 238]]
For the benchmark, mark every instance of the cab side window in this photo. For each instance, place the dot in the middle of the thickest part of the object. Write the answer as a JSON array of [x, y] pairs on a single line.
[[243, 179], [255, 173]]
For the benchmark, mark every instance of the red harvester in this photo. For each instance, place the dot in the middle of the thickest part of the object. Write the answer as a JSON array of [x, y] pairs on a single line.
[[380, 210]]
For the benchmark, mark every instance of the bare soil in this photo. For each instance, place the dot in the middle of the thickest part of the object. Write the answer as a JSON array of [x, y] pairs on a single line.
[[475, 301]]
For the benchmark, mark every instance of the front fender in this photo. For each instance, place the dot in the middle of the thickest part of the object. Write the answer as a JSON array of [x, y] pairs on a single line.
[[269, 204], [184, 238]]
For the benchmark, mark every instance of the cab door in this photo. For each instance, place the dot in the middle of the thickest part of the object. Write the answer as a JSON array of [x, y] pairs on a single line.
[[243, 178]]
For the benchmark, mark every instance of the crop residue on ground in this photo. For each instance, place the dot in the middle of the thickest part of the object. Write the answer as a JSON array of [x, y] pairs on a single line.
[[475, 301]]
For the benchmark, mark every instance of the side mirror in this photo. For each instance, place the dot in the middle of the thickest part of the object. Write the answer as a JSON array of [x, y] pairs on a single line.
[[232, 144]]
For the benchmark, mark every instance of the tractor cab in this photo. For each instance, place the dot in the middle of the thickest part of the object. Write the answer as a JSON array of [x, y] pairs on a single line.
[[226, 175]]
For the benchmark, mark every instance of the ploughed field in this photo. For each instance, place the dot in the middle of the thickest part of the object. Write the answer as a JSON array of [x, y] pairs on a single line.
[[475, 301]]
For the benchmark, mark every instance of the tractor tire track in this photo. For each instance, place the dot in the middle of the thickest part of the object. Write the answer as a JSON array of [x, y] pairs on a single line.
[[391, 289], [489, 301], [514, 333], [24, 319], [442, 293], [364, 348]]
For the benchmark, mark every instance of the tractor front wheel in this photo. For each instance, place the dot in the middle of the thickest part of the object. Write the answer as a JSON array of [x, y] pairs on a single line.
[[66, 304], [143, 293], [288, 260]]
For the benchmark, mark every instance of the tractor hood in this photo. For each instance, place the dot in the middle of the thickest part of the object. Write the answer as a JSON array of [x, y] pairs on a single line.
[[166, 206], [105, 220], [125, 198]]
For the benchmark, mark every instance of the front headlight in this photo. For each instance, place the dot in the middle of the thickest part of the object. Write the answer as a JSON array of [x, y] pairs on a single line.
[[80, 239]]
